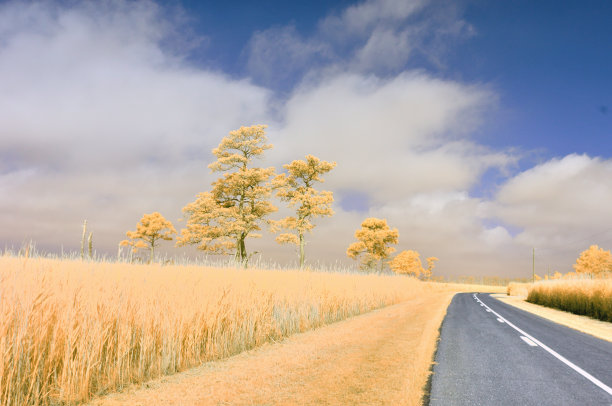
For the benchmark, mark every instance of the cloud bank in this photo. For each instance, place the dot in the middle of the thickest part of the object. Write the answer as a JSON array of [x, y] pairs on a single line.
[[103, 118]]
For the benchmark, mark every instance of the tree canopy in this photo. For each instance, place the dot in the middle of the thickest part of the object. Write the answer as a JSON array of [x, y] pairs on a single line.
[[296, 188], [593, 261], [149, 231], [219, 221], [373, 240]]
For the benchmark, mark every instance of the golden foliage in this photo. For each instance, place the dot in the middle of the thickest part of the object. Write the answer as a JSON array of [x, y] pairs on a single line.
[[372, 246], [431, 263], [593, 261], [71, 329], [219, 221], [296, 188], [407, 263], [149, 231]]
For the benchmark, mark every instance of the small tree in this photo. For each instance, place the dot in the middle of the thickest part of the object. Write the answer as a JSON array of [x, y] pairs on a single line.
[[296, 188], [149, 231], [407, 263], [220, 221], [372, 246], [431, 263], [593, 261]]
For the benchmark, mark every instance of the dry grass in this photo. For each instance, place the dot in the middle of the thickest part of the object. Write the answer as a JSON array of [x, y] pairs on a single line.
[[518, 289], [379, 358], [589, 297], [71, 329]]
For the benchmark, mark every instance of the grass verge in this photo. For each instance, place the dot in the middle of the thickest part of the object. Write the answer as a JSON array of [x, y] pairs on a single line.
[[588, 297], [71, 330]]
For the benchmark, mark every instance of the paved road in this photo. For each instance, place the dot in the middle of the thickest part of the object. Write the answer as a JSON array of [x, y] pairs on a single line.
[[491, 353]]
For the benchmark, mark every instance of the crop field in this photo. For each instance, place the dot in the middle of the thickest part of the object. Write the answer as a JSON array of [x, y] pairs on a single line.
[[71, 329], [589, 297]]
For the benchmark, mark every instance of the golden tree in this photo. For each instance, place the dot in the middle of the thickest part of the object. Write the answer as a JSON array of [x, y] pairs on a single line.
[[431, 263], [219, 221], [296, 188], [149, 231], [372, 246], [407, 263], [593, 261]]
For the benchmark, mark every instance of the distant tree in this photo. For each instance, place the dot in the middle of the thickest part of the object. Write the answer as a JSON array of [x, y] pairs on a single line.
[[372, 246], [407, 263], [556, 275], [297, 189], [593, 261], [431, 263], [219, 221], [149, 231]]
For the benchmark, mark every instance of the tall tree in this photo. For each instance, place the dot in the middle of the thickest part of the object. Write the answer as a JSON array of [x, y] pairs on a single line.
[[407, 263], [296, 188], [149, 231], [219, 221], [372, 246], [593, 261]]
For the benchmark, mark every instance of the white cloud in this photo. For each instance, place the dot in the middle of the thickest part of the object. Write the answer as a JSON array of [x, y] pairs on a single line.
[[391, 138], [370, 37], [364, 17], [100, 120], [559, 201], [278, 54]]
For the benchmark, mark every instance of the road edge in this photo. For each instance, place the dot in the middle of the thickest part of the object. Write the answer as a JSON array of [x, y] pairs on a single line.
[[426, 398]]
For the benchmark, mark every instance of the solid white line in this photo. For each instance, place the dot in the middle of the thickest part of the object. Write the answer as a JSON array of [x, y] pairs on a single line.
[[555, 354], [528, 341]]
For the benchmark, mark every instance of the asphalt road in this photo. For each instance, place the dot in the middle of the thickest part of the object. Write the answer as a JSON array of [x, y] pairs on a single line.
[[491, 353]]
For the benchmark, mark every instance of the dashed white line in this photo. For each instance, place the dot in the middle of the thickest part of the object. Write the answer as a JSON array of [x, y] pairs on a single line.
[[500, 319], [528, 341], [555, 354]]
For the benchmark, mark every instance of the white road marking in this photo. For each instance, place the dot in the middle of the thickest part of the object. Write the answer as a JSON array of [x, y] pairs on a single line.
[[555, 354], [488, 311], [500, 319], [528, 341]]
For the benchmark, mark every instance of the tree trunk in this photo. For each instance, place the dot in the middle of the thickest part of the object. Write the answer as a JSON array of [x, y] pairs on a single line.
[[152, 251], [241, 254], [302, 243]]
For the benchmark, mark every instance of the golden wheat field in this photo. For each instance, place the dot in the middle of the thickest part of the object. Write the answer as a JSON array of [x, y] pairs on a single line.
[[589, 297], [71, 330]]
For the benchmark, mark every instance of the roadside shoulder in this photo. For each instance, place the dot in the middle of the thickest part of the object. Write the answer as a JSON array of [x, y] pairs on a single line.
[[596, 328]]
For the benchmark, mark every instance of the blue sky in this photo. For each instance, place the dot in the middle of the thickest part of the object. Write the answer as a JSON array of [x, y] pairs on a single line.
[[479, 129], [549, 61]]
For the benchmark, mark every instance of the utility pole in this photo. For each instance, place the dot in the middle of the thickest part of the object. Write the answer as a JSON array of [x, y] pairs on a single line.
[[533, 267]]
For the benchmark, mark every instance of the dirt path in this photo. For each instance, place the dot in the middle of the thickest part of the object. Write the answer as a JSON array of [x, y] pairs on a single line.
[[379, 358]]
